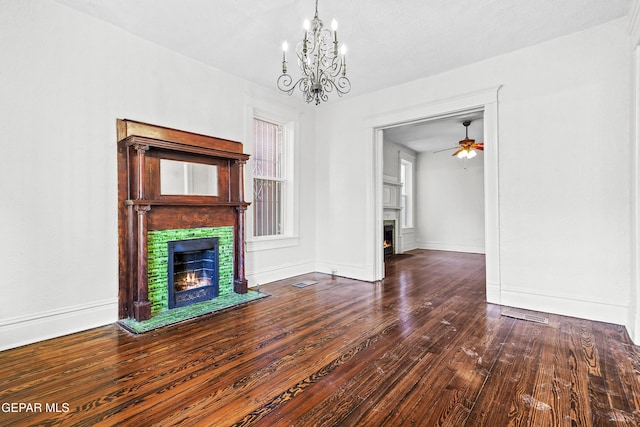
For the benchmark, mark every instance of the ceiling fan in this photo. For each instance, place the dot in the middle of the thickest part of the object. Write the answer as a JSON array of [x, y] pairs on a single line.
[[466, 147]]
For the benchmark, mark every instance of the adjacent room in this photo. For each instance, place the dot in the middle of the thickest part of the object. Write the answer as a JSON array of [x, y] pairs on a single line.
[[433, 193], [320, 213]]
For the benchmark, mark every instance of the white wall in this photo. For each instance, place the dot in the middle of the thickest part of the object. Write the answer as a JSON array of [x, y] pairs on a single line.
[[65, 78], [391, 161], [450, 201], [564, 165]]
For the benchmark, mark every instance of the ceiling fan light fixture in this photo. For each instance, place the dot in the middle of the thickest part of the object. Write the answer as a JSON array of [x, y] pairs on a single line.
[[467, 145], [461, 154]]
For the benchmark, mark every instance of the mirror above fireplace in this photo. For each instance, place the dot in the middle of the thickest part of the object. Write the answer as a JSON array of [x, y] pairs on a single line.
[[187, 178]]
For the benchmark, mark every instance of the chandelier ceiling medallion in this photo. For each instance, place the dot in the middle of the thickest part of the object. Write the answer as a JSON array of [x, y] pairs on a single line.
[[322, 64]]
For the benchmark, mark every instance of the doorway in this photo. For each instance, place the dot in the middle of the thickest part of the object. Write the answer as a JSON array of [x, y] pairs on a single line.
[[485, 101], [440, 188]]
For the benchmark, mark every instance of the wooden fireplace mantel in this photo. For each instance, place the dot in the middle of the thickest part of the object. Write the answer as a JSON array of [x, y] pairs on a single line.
[[142, 207]]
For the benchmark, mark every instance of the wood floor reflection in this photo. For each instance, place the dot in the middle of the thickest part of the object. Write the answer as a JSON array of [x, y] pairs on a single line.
[[421, 348]]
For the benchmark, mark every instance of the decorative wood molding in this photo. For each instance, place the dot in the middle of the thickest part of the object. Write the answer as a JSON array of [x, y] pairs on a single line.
[[188, 202], [390, 179], [392, 195], [126, 128], [143, 207], [142, 143]]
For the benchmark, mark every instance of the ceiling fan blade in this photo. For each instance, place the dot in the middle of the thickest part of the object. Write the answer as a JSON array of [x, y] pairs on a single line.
[[478, 146], [458, 151], [446, 149]]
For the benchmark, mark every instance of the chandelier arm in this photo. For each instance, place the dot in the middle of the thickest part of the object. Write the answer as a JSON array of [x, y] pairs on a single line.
[[335, 67], [342, 85], [285, 83]]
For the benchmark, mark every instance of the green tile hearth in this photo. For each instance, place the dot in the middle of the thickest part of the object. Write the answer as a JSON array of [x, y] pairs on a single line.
[[176, 315]]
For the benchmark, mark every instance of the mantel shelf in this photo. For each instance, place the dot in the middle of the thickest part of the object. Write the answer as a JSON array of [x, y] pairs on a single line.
[[183, 148], [144, 202], [393, 208]]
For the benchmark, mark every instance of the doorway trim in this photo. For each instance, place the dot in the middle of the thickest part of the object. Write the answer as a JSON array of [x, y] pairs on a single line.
[[485, 100]]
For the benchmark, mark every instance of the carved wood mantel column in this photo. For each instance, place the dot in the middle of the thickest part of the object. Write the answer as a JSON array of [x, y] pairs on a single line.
[[140, 149], [142, 306], [240, 284]]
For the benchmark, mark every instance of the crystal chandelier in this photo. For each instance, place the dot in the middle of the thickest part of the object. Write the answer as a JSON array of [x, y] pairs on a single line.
[[323, 66]]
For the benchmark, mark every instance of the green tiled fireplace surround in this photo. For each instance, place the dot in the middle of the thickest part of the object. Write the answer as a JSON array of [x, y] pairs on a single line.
[[157, 253]]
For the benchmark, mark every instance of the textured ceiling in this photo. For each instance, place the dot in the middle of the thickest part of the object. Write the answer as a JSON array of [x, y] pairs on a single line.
[[389, 41]]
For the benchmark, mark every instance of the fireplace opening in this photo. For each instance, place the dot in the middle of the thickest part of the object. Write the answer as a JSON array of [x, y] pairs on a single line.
[[192, 271], [389, 246]]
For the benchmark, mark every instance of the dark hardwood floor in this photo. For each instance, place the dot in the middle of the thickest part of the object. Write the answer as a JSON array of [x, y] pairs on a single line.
[[421, 348]]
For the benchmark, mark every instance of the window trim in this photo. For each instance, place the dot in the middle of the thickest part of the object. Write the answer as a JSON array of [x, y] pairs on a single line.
[[407, 158], [289, 120]]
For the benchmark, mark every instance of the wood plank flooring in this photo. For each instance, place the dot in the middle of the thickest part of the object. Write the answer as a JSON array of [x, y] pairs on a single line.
[[421, 348]]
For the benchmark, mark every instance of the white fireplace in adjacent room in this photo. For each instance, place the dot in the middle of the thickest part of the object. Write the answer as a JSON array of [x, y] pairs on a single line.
[[392, 206]]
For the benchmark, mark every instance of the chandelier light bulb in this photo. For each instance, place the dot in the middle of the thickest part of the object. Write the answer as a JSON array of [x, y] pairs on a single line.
[[306, 25], [334, 25], [285, 47]]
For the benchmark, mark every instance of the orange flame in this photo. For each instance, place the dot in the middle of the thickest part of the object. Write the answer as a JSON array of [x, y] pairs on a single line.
[[191, 280]]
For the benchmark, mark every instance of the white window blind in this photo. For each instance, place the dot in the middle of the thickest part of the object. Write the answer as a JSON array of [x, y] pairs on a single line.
[[268, 178]]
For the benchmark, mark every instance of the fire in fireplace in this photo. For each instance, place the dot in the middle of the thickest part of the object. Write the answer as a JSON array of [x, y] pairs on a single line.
[[192, 271], [388, 243]]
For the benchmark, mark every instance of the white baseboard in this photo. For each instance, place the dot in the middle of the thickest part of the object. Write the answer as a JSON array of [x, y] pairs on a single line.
[[452, 247], [351, 271], [279, 272], [409, 246], [533, 300], [633, 332], [632, 329], [493, 293], [22, 330]]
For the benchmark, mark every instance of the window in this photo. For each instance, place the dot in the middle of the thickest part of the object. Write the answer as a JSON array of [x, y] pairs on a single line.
[[271, 175], [269, 178], [406, 179]]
